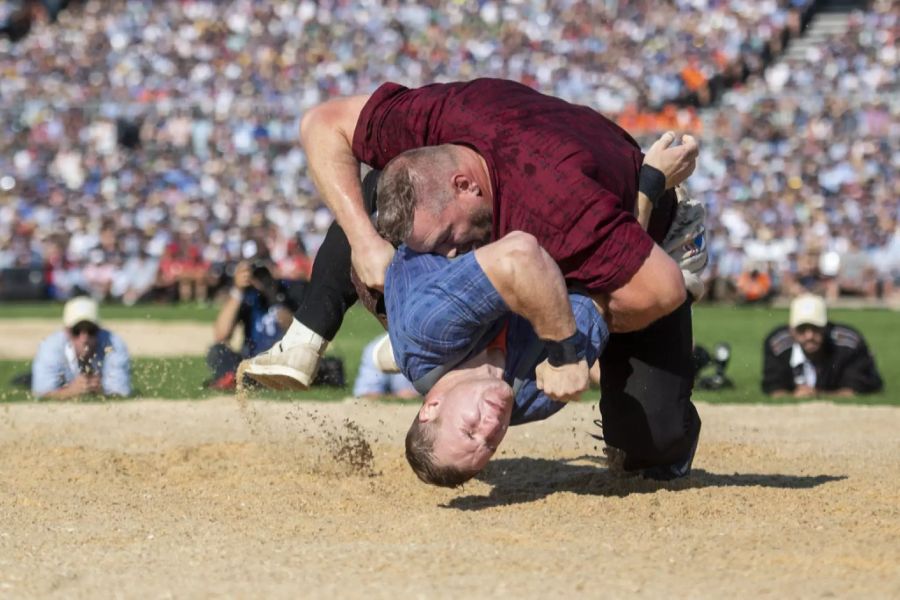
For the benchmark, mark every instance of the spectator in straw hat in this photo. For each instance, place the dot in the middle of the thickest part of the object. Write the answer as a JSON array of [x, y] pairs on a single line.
[[812, 356], [83, 358]]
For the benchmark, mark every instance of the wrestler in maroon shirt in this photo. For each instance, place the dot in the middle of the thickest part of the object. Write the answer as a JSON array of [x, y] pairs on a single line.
[[563, 173]]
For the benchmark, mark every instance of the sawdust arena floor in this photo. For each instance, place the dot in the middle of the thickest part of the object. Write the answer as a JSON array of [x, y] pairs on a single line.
[[218, 498]]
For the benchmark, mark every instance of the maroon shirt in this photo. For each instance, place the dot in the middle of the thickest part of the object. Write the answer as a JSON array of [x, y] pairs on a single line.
[[564, 173]]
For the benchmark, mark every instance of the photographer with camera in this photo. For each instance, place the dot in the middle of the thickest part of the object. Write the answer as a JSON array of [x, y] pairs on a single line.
[[263, 305], [82, 359], [814, 357]]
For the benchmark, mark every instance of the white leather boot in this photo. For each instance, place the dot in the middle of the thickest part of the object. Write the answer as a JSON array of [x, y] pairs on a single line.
[[290, 364]]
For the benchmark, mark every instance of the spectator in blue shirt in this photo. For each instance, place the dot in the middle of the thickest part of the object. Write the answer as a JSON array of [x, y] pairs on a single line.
[[372, 382], [474, 335], [81, 359]]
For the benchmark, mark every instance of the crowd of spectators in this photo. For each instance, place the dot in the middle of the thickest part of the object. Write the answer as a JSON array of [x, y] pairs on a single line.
[[799, 167], [147, 147]]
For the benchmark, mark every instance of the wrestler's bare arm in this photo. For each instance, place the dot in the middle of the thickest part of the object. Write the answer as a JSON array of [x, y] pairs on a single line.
[[658, 286], [654, 291], [326, 132], [531, 284]]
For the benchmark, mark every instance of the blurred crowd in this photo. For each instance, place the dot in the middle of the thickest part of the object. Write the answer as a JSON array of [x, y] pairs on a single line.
[[799, 170], [147, 147]]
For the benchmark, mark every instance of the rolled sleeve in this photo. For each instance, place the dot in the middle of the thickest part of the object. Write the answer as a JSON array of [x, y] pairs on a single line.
[[116, 370], [531, 403], [455, 306], [48, 368]]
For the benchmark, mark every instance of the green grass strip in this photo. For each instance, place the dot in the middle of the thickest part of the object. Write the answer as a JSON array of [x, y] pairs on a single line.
[[743, 328]]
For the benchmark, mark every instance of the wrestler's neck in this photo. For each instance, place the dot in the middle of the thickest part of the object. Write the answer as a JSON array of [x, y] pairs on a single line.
[[486, 364], [479, 169]]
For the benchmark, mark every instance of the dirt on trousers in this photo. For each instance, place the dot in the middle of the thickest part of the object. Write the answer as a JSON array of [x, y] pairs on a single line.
[[177, 499]]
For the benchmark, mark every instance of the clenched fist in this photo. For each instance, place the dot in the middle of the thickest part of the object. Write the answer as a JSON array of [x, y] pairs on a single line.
[[565, 382]]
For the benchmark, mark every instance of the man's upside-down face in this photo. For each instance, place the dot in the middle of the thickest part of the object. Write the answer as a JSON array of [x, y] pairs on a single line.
[[472, 418]]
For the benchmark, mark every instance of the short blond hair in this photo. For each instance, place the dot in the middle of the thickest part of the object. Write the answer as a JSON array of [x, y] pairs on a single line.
[[420, 456]]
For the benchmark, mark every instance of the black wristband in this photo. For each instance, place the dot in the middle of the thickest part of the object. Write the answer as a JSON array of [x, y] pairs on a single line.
[[562, 352], [652, 183]]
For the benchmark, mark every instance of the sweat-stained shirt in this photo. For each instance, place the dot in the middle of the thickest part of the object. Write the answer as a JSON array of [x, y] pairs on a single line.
[[563, 173]]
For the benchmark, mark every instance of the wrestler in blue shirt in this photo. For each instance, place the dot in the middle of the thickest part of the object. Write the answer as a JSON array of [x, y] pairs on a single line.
[[444, 318]]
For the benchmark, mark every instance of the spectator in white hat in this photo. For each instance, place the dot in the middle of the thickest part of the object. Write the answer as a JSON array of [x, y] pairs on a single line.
[[82, 358], [812, 357]]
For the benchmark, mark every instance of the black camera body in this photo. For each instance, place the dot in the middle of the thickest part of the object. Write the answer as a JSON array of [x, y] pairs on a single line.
[[260, 272], [718, 359]]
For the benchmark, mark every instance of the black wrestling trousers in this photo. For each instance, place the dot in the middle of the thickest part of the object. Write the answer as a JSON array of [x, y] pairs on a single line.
[[646, 380], [330, 293]]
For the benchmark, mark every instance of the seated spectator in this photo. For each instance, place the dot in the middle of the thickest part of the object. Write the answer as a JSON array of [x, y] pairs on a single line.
[[263, 305], [135, 279], [813, 357], [296, 264], [371, 382], [806, 277], [81, 359], [98, 274], [754, 286], [169, 272], [856, 275]]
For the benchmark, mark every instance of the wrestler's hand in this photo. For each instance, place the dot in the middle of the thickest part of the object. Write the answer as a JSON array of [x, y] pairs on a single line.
[[676, 162], [565, 382], [371, 262]]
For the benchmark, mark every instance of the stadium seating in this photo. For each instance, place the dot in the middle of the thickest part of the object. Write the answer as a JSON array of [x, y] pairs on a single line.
[[160, 137]]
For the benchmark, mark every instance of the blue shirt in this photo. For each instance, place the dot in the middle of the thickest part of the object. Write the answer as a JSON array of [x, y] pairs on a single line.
[[260, 320], [55, 364], [443, 311]]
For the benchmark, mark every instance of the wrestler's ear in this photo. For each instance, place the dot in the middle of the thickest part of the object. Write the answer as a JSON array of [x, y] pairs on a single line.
[[430, 408], [462, 184]]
